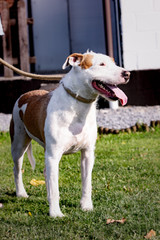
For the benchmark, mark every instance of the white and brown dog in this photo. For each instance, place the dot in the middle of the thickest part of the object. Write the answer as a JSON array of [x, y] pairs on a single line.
[[64, 121]]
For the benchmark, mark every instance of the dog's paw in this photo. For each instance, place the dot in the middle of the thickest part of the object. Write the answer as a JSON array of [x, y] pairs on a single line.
[[55, 211], [86, 205], [55, 214], [22, 194]]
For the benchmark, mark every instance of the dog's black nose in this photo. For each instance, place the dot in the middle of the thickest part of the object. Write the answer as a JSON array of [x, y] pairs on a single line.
[[126, 75]]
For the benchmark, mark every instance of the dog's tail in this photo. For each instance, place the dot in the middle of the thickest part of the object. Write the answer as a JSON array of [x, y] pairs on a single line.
[[30, 156]]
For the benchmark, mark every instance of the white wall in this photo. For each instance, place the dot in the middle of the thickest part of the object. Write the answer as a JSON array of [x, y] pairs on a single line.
[[141, 34]]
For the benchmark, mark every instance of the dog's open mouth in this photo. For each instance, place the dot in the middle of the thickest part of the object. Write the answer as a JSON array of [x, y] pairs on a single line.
[[110, 91]]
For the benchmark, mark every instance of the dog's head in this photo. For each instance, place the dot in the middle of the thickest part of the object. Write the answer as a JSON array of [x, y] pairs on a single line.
[[102, 73]]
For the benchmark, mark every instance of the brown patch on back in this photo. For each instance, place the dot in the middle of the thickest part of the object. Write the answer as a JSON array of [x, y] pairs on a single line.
[[11, 130], [21, 114], [35, 113], [86, 61]]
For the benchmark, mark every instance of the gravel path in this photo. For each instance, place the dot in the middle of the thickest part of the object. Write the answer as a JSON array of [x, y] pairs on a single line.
[[123, 117], [4, 122]]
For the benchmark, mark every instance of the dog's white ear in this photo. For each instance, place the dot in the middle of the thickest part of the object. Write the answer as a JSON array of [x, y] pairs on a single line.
[[73, 60]]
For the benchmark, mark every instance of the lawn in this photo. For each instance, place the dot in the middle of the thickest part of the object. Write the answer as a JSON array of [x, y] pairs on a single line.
[[126, 184]]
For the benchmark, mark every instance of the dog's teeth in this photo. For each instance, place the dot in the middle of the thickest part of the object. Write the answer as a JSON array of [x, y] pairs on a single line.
[[101, 86], [107, 90]]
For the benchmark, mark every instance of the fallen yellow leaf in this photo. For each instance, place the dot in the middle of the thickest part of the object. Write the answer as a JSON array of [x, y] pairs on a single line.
[[30, 214], [35, 182], [150, 234], [109, 221]]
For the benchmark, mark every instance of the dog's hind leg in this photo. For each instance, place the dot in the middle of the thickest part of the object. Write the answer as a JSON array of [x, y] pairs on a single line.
[[19, 144], [30, 155]]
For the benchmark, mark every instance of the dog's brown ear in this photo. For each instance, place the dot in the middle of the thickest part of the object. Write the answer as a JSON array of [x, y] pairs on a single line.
[[73, 60]]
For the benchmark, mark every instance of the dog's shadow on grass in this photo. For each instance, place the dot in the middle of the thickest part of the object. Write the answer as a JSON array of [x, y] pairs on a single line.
[[7, 196], [11, 194], [68, 203]]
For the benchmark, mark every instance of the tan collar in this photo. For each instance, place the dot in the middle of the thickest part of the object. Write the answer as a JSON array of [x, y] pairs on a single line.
[[77, 97]]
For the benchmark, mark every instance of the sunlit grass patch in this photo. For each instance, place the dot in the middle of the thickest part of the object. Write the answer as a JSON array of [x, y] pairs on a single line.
[[126, 184]]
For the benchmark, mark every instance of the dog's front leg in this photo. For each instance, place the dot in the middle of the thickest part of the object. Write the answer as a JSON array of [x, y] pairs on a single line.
[[87, 162], [52, 175]]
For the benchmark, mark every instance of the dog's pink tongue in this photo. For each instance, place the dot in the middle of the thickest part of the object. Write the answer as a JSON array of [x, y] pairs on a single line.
[[119, 94]]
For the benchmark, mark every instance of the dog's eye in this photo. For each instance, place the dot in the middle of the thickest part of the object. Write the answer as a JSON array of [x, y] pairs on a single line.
[[102, 64]]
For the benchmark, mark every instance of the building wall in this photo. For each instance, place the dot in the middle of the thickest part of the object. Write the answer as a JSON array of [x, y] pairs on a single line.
[[141, 34]]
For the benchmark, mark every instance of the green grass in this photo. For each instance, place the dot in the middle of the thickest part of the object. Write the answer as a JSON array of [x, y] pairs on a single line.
[[126, 183]]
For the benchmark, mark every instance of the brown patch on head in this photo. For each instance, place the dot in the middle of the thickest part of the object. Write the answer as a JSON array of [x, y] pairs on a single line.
[[113, 60], [86, 61], [73, 58], [77, 56], [35, 113], [11, 130]]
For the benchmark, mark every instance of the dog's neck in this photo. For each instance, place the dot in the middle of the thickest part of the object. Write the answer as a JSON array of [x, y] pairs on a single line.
[[78, 97], [76, 84]]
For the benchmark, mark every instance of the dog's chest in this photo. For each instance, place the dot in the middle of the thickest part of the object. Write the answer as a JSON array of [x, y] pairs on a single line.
[[77, 142], [82, 135], [71, 126]]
